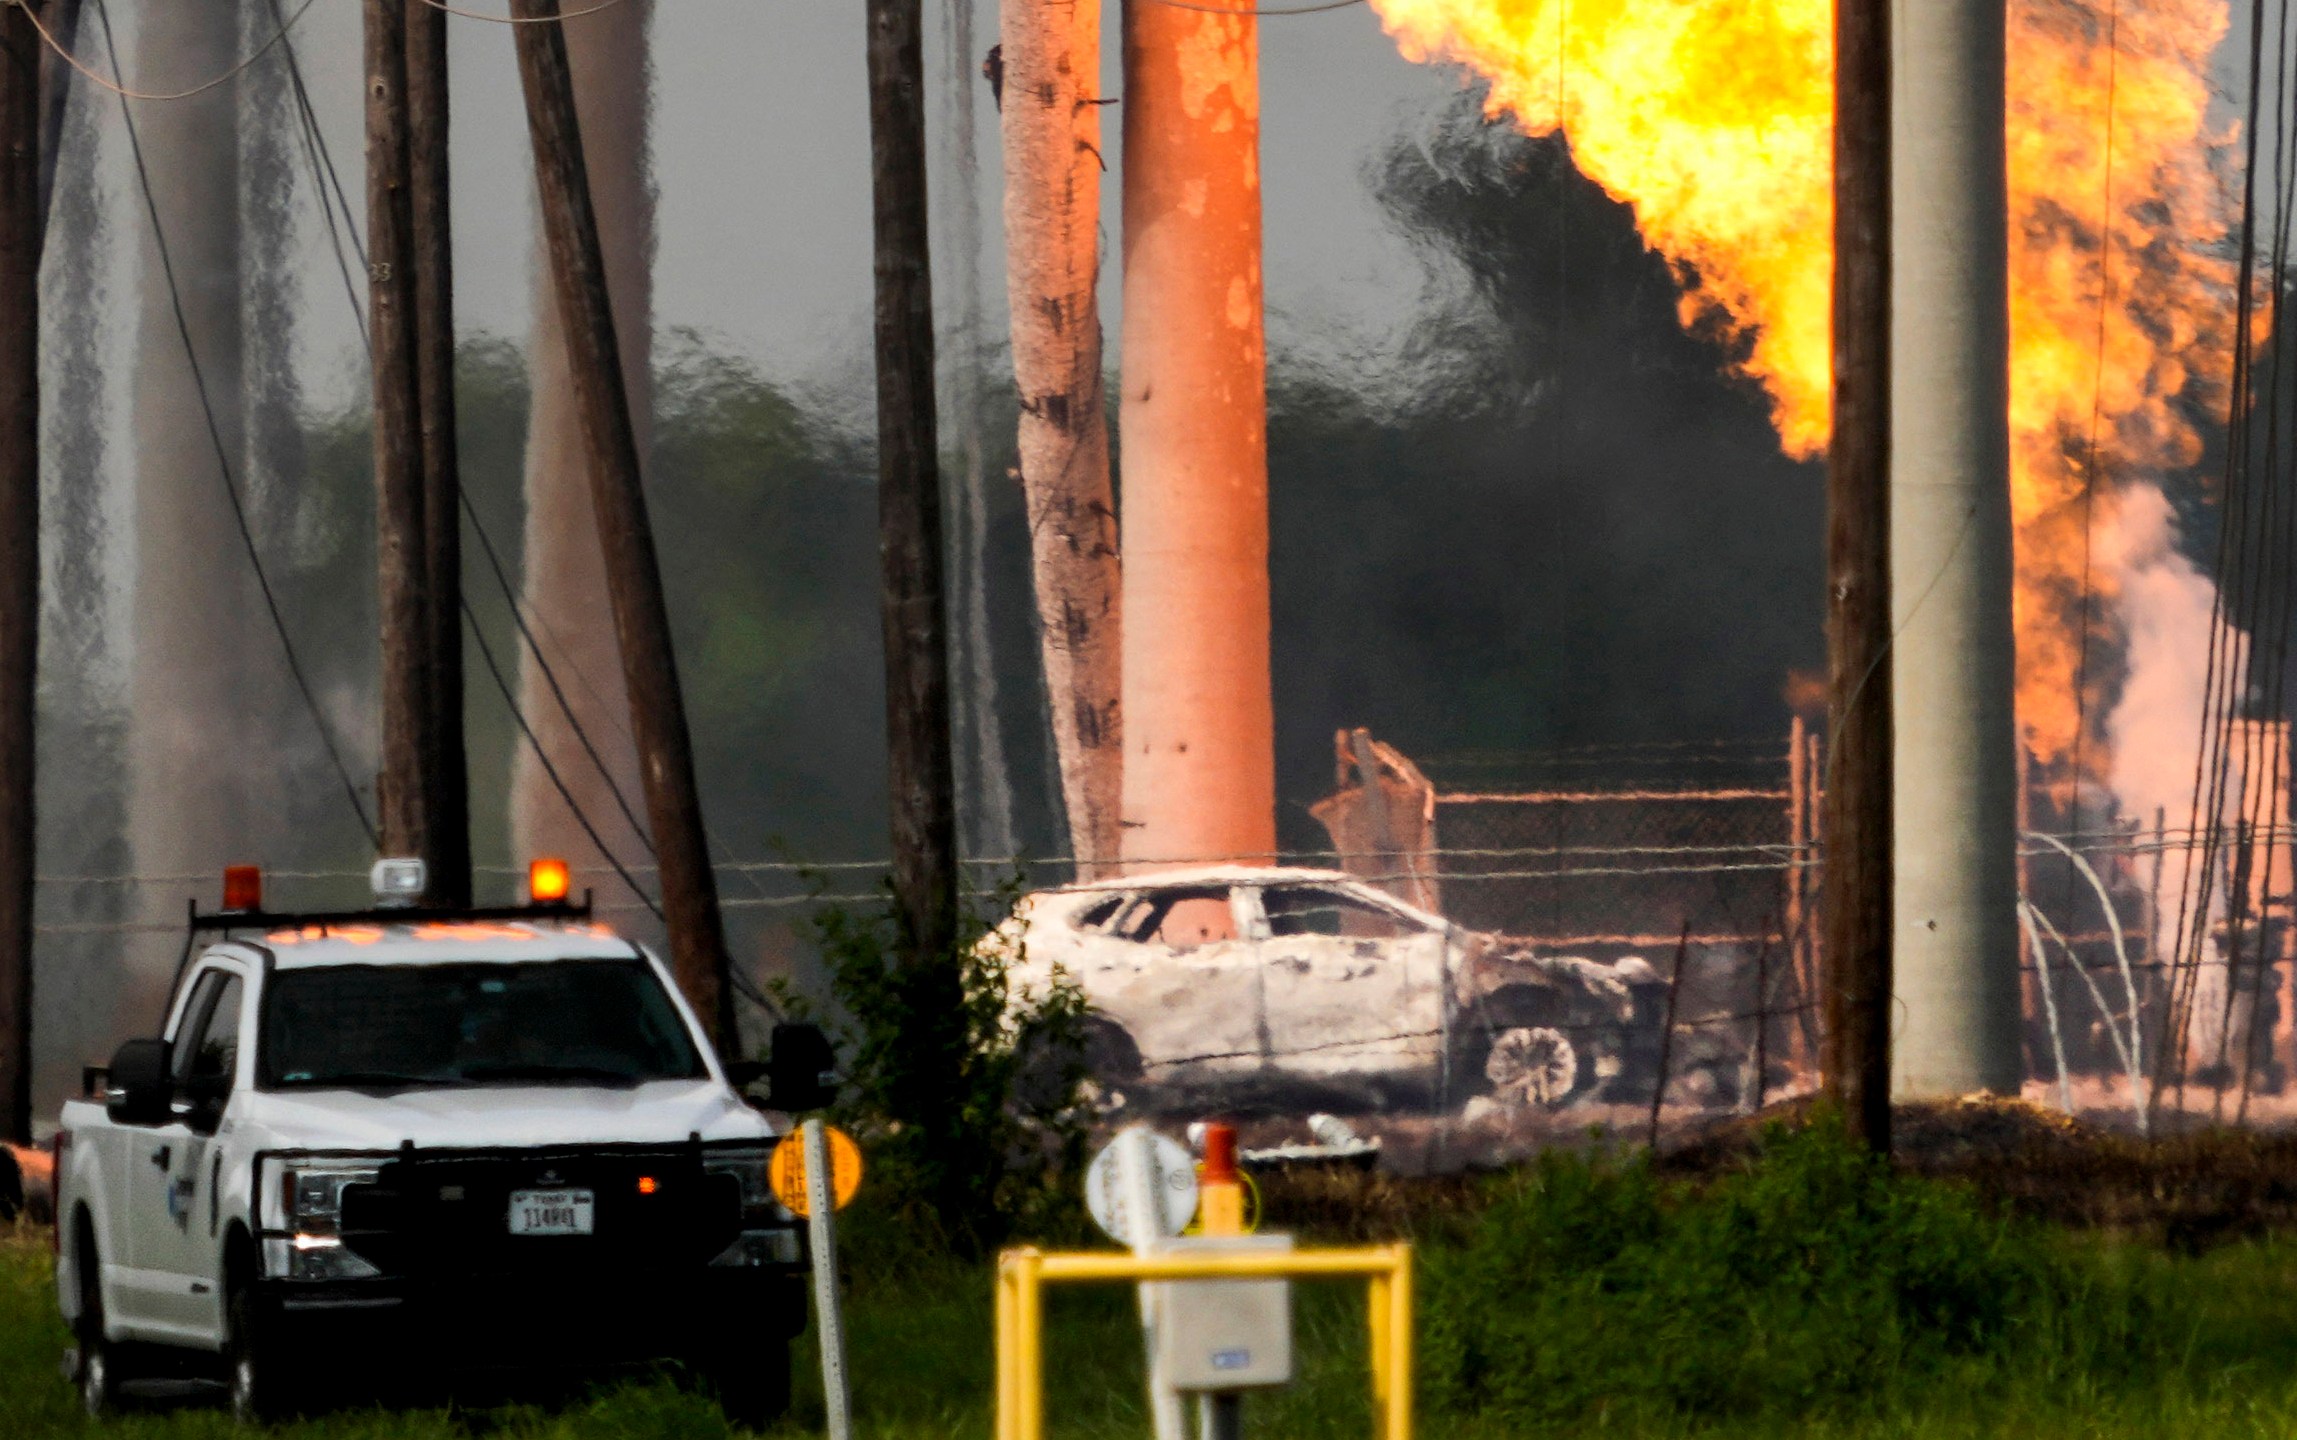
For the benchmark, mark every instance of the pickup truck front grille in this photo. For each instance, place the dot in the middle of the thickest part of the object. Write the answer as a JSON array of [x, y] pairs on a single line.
[[448, 1215]]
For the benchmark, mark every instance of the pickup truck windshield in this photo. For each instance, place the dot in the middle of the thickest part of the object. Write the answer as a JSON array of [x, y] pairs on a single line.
[[568, 1022]]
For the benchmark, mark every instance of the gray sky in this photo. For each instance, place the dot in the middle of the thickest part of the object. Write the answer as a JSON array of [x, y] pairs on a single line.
[[761, 145]]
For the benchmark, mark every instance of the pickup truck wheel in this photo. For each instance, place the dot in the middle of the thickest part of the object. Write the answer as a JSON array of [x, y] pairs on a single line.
[[260, 1389], [752, 1385], [96, 1367]]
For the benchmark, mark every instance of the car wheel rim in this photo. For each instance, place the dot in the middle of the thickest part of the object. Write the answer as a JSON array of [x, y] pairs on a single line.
[[1533, 1065]]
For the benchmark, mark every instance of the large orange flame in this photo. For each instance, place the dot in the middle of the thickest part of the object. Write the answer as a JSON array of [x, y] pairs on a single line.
[[1713, 119]]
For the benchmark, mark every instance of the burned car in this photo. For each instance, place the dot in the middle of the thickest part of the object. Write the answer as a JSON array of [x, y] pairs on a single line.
[[1289, 989]]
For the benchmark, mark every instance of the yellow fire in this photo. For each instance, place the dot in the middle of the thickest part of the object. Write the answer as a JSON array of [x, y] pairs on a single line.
[[1713, 118]]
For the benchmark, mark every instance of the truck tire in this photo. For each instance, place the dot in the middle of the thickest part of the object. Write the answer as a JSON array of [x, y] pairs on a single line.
[[262, 1391], [752, 1386], [95, 1369]]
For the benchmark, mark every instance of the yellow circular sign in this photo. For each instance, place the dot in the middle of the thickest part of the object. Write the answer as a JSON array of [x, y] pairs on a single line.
[[788, 1170]]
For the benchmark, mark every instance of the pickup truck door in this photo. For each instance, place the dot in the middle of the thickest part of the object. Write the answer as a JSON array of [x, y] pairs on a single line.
[[171, 1184]]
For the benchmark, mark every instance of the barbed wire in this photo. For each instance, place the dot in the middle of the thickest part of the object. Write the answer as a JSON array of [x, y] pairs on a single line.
[[557, 19]]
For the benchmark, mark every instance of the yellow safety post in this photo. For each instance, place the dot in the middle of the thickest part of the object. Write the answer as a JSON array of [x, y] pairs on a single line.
[[1377, 1311], [1023, 1273]]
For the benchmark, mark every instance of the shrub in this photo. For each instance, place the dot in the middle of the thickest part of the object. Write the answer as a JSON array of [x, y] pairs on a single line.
[[1815, 1277], [966, 1094]]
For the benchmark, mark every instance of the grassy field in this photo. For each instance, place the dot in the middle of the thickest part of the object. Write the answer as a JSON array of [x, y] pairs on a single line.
[[2131, 1340]]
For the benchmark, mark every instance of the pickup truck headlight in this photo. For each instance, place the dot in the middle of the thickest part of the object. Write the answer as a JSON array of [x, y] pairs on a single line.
[[768, 1236], [308, 1204]]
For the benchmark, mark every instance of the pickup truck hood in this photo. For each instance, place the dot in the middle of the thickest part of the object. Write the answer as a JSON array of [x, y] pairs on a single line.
[[661, 1113]]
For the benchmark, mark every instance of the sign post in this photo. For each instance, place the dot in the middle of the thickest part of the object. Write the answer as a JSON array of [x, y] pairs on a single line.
[[814, 1177], [1143, 1174]]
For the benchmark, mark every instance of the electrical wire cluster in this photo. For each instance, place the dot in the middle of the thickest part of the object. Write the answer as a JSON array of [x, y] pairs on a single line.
[[2244, 734]]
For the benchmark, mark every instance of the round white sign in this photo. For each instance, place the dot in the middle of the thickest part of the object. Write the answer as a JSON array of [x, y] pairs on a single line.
[[1171, 1177]]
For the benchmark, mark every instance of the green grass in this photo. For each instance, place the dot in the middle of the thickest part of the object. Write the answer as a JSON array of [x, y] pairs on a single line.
[[1806, 1298]]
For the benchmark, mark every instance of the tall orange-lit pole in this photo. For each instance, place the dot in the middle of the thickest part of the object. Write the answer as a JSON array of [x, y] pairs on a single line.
[[1199, 726]]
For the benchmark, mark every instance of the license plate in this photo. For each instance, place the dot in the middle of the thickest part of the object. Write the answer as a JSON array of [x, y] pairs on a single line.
[[551, 1212]]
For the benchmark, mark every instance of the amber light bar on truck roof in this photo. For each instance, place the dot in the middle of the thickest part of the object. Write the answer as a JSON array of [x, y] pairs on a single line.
[[549, 883]]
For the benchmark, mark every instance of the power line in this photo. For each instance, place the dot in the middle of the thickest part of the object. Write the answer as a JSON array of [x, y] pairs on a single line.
[[324, 175], [222, 454], [1231, 9], [120, 88], [534, 19], [315, 150], [486, 653]]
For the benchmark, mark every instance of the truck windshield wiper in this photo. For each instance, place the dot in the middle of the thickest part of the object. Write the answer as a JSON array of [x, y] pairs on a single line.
[[368, 1080], [596, 1074]]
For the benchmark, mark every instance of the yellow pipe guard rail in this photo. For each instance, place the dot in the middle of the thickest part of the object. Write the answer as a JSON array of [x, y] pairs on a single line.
[[1023, 1274]]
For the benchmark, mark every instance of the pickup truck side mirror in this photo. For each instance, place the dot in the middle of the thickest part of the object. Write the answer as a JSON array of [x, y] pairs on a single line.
[[801, 1070], [141, 1085]]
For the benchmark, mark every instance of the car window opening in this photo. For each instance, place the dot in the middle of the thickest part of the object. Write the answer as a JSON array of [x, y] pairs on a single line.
[[1181, 918], [1295, 910]]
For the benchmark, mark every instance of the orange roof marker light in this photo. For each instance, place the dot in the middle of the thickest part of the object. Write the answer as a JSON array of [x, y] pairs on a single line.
[[243, 887], [548, 881]]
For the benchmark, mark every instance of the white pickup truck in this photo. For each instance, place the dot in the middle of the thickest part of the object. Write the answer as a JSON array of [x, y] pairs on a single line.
[[434, 1140]]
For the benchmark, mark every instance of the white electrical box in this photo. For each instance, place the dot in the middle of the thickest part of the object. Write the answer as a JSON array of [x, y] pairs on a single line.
[[1225, 1334]]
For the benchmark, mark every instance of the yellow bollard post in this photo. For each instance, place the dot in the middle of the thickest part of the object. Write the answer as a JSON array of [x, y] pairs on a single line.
[[1007, 1386], [1028, 1328], [1377, 1315], [1399, 1425]]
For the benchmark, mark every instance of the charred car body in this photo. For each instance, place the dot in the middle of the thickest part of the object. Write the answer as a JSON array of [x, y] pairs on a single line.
[[435, 1141], [1298, 989]]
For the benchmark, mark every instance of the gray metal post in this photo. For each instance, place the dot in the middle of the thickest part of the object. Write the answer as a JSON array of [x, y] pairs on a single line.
[[829, 1320], [1136, 1163], [1956, 929]]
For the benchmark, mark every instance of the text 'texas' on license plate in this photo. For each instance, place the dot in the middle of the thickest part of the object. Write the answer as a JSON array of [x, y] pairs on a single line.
[[552, 1212]]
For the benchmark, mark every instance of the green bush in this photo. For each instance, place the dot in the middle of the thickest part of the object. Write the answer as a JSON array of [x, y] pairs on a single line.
[[966, 1095], [1816, 1277]]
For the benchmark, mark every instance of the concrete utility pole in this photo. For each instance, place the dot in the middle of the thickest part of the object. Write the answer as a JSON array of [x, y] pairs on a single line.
[[203, 677], [62, 17], [405, 788], [19, 550], [1199, 736], [626, 536], [432, 253], [920, 769], [1855, 895], [1052, 131], [1955, 658]]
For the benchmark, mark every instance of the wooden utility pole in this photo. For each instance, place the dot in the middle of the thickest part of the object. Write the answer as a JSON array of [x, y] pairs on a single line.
[[626, 537], [448, 851], [1855, 895], [1052, 132], [19, 549], [405, 787], [920, 768]]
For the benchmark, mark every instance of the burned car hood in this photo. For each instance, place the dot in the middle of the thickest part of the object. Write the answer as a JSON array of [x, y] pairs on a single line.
[[1593, 987]]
